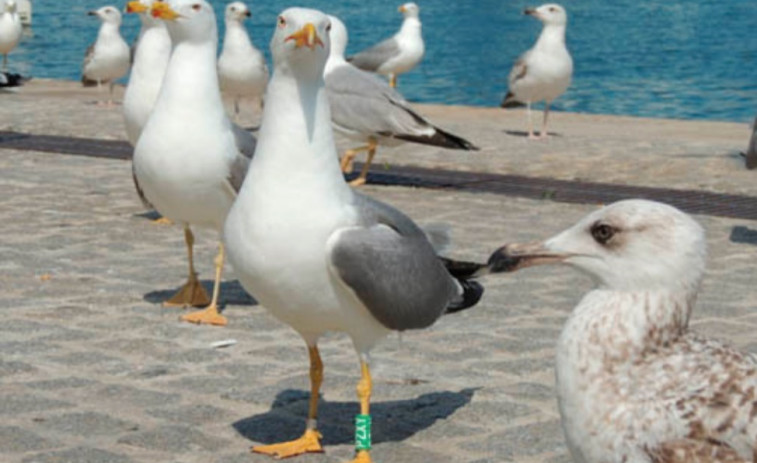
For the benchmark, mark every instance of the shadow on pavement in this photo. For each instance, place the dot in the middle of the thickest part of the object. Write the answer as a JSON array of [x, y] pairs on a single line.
[[745, 235], [231, 293], [393, 421]]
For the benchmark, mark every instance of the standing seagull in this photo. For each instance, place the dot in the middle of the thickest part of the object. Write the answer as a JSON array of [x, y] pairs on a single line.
[[10, 30], [633, 384], [187, 161], [241, 67], [152, 51], [366, 109], [316, 254], [397, 54], [751, 152], [108, 58], [544, 71]]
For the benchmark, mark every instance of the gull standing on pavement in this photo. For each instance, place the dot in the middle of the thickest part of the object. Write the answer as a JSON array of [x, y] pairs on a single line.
[[108, 58], [319, 256], [365, 109], [633, 383], [397, 54], [187, 160], [543, 72], [10, 29], [241, 67]]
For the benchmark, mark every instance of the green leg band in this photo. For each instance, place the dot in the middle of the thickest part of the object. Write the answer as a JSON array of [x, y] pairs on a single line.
[[362, 432]]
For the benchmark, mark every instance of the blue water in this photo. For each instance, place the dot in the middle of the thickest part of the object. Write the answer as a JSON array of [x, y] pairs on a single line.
[[691, 59]]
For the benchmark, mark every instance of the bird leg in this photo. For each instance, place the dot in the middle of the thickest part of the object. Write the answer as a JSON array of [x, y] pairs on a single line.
[[210, 314], [544, 133], [363, 421], [349, 157], [531, 135], [361, 179], [393, 80], [310, 441], [162, 221], [192, 293]]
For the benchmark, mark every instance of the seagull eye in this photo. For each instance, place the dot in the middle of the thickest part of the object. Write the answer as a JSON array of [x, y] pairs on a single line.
[[197, 7], [602, 233], [282, 22], [552, 9], [328, 28]]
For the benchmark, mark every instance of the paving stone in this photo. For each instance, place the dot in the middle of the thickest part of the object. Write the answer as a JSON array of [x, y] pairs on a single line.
[[13, 404], [173, 439], [78, 455], [60, 383], [87, 424], [14, 439], [191, 414]]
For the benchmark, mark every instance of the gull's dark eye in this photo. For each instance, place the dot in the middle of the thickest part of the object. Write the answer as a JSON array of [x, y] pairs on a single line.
[[328, 28], [197, 7], [602, 233], [282, 22], [552, 9]]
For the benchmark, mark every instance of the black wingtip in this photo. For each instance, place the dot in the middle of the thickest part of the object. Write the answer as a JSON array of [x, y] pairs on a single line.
[[509, 101], [9, 79], [472, 292]]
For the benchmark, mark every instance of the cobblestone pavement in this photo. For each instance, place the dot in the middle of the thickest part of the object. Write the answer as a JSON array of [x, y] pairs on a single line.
[[93, 369]]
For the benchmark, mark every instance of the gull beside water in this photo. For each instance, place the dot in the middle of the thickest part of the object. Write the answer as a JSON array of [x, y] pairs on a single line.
[[107, 59], [10, 29]]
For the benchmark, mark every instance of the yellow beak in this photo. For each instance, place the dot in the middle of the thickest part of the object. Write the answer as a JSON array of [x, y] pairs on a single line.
[[135, 7], [163, 11], [401, 9], [306, 36]]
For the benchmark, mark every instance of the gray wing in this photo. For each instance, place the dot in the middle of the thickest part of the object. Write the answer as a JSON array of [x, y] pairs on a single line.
[[145, 202], [246, 142], [519, 70], [392, 268], [238, 171], [751, 153], [88, 56], [372, 58]]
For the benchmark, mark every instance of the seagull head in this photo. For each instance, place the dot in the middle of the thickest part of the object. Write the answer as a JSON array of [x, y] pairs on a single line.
[[631, 245], [237, 11], [301, 41], [10, 6], [107, 14], [549, 14], [338, 36], [409, 10], [187, 20]]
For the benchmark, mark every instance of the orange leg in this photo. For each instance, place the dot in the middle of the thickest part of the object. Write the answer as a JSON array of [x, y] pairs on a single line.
[[210, 314], [192, 293]]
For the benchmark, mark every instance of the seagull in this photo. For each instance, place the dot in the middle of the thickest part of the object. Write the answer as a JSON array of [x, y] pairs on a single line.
[[544, 71], [318, 255], [633, 383], [152, 50], [10, 30], [108, 58], [188, 161], [241, 67], [367, 110], [751, 152], [397, 54]]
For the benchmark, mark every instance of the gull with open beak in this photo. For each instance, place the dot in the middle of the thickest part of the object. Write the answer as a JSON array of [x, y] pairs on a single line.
[[633, 383], [315, 253], [188, 160]]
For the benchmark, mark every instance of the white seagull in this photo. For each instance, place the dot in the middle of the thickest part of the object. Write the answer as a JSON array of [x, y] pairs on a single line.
[[187, 160], [319, 256], [10, 30], [108, 58], [151, 54], [397, 54], [365, 109], [633, 383], [751, 151], [241, 67], [543, 72]]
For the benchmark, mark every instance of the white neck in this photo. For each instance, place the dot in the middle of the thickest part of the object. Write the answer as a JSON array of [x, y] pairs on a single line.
[[296, 146], [552, 35], [108, 30], [235, 31], [410, 26]]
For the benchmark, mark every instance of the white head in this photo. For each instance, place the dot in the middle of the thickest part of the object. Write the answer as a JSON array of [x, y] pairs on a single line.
[[300, 44], [631, 245], [107, 14], [237, 11], [187, 20], [409, 10], [549, 14], [338, 36]]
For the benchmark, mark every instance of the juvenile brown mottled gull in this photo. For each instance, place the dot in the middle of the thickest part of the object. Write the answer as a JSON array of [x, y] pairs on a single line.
[[633, 383]]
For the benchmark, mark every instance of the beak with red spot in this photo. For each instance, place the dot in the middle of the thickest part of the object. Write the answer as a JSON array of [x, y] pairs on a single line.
[[516, 256], [135, 7], [306, 37], [161, 10]]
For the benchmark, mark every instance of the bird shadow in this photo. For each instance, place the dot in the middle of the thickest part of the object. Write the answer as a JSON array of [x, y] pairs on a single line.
[[744, 235], [231, 293], [393, 421], [524, 134], [149, 215]]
